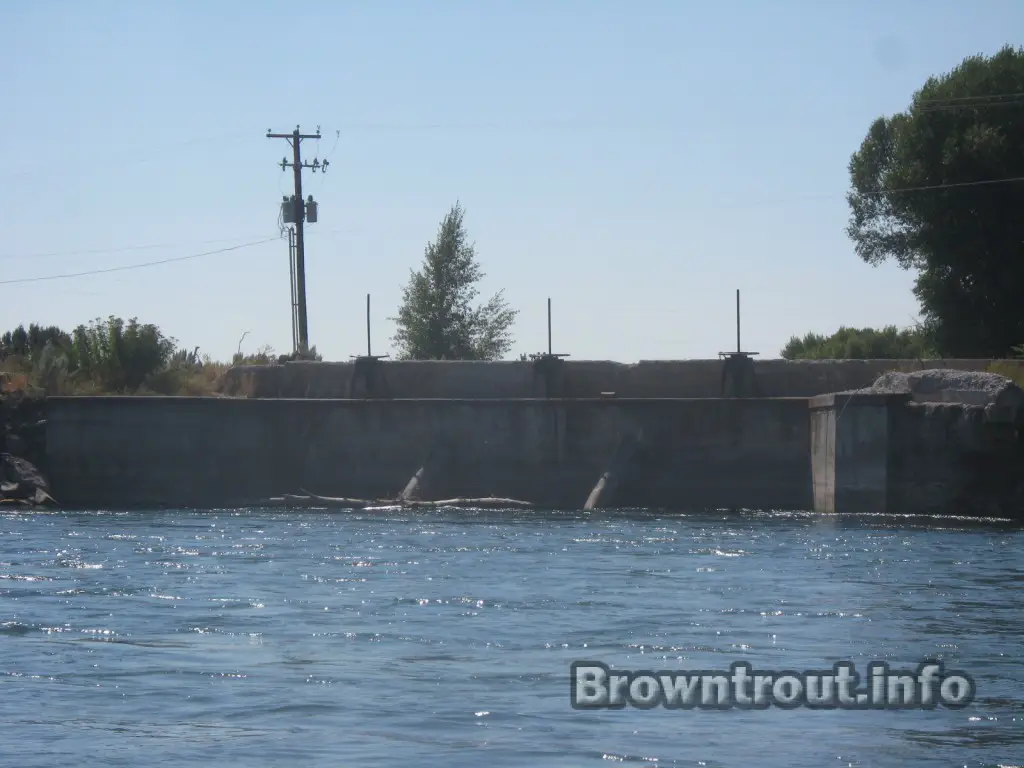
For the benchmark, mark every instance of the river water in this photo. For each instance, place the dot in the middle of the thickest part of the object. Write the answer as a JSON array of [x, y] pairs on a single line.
[[257, 638]]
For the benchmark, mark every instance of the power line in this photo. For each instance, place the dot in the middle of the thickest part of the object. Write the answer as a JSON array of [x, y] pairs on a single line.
[[337, 138], [816, 198], [968, 99], [952, 185], [902, 190], [150, 155], [93, 251], [576, 124], [137, 266], [924, 108]]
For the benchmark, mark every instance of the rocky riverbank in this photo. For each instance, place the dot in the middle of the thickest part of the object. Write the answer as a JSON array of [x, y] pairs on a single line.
[[23, 458]]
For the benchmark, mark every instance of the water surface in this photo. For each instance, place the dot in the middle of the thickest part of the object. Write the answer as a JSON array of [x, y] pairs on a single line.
[[263, 638]]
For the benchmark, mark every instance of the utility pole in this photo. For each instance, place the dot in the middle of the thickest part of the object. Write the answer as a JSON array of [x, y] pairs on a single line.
[[295, 296], [300, 211]]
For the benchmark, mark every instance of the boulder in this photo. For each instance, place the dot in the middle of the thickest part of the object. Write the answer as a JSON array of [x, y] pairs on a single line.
[[21, 481], [14, 469]]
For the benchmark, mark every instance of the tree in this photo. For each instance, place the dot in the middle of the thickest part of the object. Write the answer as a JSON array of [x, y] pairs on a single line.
[[889, 343], [112, 355], [122, 356], [437, 319], [929, 191], [30, 343]]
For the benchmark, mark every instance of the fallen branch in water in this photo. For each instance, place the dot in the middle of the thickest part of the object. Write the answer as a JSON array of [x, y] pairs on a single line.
[[334, 501], [22, 502], [315, 500], [488, 502], [39, 499]]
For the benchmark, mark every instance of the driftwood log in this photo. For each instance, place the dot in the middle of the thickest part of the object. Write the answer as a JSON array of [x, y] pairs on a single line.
[[38, 500], [307, 499]]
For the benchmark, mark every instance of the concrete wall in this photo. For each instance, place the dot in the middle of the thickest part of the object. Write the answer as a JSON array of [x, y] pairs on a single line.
[[137, 451], [880, 453], [952, 458], [851, 445], [581, 378]]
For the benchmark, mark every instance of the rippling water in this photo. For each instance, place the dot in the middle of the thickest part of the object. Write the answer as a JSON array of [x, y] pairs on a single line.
[[382, 638]]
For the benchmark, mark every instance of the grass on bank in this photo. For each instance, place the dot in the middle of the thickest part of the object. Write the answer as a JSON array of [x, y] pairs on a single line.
[[115, 357], [194, 380], [110, 357]]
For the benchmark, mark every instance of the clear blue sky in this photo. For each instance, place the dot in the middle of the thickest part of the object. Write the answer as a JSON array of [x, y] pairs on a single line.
[[636, 161]]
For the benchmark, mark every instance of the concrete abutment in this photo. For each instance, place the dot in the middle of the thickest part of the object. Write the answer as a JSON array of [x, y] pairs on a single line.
[[887, 453]]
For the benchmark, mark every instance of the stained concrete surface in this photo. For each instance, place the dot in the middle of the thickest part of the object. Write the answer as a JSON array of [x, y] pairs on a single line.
[[132, 451], [571, 378]]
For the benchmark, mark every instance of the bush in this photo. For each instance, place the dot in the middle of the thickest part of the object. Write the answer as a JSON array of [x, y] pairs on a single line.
[[119, 355], [51, 370], [889, 343], [113, 356], [263, 356], [29, 344]]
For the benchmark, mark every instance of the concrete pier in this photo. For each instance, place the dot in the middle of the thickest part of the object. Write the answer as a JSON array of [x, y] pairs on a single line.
[[894, 453], [851, 445]]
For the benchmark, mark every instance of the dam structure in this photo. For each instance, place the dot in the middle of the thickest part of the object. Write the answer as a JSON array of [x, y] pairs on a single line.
[[693, 434]]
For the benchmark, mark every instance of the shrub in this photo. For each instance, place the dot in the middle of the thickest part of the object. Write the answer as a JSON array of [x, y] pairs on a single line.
[[112, 356], [121, 356], [29, 344]]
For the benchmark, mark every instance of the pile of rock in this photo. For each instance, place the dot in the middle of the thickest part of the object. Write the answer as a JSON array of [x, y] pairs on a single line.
[[22, 483], [1000, 397], [23, 446]]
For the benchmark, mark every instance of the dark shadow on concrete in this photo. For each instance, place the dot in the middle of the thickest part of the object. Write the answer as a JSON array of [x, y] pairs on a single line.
[[739, 378], [367, 379], [549, 376]]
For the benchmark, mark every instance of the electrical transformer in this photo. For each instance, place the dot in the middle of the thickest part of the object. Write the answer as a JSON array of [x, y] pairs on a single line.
[[288, 210], [311, 210]]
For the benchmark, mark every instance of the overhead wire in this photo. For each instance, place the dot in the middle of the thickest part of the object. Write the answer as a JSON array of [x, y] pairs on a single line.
[[149, 157], [127, 267], [323, 176], [956, 102], [94, 251], [926, 107], [951, 185], [969, 99]]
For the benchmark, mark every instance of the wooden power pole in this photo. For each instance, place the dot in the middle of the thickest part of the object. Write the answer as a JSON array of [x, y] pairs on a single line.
[[301, 212]]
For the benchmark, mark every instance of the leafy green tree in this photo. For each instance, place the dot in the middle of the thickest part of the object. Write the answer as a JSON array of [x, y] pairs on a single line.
[[889, 343], [29, 343], [119, 355], [437, 319], [929, 191]]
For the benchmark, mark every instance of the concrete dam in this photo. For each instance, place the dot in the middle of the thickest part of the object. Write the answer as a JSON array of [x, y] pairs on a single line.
[[571, 435]]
